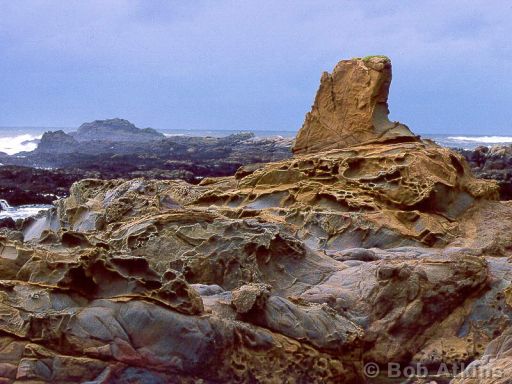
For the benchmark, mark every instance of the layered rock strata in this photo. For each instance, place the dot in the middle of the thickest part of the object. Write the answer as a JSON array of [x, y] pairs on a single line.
[[351, 108]]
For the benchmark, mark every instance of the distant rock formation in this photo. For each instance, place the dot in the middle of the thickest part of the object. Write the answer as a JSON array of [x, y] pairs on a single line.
[[351, 108], [57, 142], [102, 132], [42, 175], [115, 130]]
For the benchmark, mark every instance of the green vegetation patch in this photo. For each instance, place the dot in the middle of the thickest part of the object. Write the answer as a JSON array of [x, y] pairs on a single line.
[[367, 58]]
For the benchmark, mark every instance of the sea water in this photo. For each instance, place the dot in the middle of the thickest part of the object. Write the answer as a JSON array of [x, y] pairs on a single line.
[[22, 211], [20, 139], [468, 141]]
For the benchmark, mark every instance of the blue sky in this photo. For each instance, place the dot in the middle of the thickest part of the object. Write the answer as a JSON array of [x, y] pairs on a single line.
[[250, 65]]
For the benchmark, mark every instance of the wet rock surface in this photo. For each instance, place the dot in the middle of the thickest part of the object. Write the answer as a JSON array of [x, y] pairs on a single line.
[[300, 270], [493, 163], [60, 160], [26, 185]]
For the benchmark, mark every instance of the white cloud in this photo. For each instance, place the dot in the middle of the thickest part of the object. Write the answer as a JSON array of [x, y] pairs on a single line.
[[266, 47], [129, 33]]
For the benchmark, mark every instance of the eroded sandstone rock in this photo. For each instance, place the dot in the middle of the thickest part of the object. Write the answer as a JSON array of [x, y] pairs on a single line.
[[302, 270], [249, 297], [495, 366], [388, 307], [351, 108]]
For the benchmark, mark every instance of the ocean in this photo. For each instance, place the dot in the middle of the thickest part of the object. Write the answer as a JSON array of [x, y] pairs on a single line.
[[468, 141], [22, 211], [18, 139]]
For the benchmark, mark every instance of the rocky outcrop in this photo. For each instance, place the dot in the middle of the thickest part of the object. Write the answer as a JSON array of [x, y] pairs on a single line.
[[351, 107], [25, 185], [115, 130], [493, 163], [57, 143], [96, 137], [301, 270], [405, 193], [187, 158], [147, 250]]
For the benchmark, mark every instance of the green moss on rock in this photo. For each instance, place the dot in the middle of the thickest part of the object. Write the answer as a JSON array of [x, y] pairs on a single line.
[[367, 58]]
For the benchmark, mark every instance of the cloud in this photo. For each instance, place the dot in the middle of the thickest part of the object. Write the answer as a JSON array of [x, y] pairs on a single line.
[[159, 32], [243, 55]]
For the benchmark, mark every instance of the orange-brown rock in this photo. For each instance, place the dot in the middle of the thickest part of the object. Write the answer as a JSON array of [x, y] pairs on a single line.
[[494, 367], [351, 108], [405, 193]]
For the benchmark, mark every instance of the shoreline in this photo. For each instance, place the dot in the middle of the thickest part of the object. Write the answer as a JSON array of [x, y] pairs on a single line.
[[21, 183]]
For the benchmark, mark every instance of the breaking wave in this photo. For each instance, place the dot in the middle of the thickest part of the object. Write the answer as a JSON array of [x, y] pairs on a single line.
[[483, 139], [21, 143]]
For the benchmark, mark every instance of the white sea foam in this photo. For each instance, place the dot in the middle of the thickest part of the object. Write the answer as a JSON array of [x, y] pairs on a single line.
[[23, 211], [15, 144], [483, 139]]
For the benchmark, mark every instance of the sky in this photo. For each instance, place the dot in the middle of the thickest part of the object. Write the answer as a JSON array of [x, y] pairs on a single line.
[[250, 64]]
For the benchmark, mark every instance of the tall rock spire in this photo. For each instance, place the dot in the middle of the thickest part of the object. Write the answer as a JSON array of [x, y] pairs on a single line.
[[351, 108]]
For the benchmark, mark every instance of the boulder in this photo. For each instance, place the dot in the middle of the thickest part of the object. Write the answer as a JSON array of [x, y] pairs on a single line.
[[493, 163], [250, 296]]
